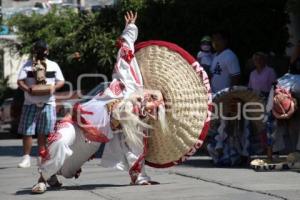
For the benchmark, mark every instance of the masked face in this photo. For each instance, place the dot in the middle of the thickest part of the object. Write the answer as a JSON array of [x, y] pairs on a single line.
[[148, 106], [40, 53], [205, 47]]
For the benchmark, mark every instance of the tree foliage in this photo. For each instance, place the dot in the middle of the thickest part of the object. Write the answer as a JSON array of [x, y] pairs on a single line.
[[68, 32], [135, 5], [253, 25]]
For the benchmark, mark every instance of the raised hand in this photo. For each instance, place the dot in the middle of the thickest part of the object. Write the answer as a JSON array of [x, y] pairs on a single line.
[[130, 17]]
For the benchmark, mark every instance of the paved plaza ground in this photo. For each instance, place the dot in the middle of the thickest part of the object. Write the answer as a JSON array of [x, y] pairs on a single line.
[[195, 179]]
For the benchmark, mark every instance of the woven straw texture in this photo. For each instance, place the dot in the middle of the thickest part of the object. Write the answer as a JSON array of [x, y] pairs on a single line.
[[186, 101], [243, 95]]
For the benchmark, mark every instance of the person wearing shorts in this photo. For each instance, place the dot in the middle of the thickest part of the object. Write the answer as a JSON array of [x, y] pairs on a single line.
[[38, 112]]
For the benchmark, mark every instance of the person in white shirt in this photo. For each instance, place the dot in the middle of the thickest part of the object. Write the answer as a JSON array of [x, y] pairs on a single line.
[[38, 112], [225, 68], [225, 72]]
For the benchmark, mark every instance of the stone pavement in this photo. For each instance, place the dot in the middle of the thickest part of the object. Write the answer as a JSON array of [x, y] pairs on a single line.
[[196, 179]]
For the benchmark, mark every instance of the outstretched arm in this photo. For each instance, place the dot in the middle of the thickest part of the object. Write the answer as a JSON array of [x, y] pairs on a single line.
[[130, 17], [130, 32]]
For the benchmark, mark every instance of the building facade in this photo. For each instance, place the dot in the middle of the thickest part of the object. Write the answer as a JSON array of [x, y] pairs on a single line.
[[11, 59]]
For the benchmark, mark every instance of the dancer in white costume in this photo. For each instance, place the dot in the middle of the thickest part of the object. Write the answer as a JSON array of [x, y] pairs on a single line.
[[112, 116]]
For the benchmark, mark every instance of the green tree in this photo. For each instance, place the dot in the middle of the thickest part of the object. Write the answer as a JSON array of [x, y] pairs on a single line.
[[68, 32], [253, 25]]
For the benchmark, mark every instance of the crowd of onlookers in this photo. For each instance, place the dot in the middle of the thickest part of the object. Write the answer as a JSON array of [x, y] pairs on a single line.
[[223, 68]]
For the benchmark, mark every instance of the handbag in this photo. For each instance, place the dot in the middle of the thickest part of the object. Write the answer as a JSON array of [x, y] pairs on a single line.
[[40, 88]]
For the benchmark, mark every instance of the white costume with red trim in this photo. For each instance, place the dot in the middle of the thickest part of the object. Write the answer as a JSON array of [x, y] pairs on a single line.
[[68, 150], [76, 140]]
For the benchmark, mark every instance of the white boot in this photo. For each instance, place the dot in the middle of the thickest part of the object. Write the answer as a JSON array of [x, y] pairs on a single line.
[[25, 162]]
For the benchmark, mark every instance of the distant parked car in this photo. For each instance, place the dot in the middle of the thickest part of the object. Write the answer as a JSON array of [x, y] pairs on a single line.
[[41, 7], [65, 106], [16, 110], [5, 116], [4, 30], [93, 92], [96, 8], [73, 6], [64, 100], [55, 1], [5, 110], [64, 103]]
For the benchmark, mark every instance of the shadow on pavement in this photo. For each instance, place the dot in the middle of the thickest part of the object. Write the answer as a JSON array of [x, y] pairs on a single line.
[[15, 151], [206, 162], [27, 191], [10, 167], [9, 136], [88, 186], [203, 163], [18, 151], [24, 192]]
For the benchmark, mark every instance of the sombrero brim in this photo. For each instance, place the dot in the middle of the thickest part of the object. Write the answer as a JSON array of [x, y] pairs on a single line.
[[186, 91]]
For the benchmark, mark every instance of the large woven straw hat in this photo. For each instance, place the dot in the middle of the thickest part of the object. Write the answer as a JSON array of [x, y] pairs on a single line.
[[186, 91], [251, 103]]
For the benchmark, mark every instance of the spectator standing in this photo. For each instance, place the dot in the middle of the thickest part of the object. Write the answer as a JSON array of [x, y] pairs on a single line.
[[38, 111], [205, 55], [225, 68], [263, 76]]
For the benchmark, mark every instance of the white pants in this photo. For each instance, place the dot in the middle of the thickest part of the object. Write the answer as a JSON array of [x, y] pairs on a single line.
[[68, 152], [117, 154]]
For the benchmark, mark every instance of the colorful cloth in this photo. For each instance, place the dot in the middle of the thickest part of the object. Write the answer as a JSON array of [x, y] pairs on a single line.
[[231, 142]]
